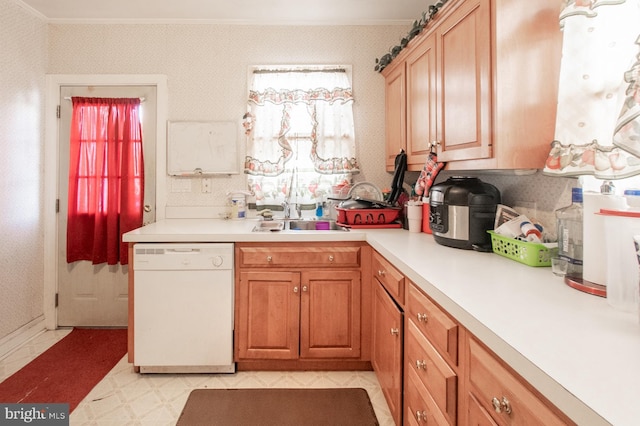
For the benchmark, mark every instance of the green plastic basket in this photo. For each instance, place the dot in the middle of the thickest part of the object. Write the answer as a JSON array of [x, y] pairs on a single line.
[[532, 254]]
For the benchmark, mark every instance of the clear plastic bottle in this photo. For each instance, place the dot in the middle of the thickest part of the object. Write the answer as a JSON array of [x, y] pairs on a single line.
[[570, 235]]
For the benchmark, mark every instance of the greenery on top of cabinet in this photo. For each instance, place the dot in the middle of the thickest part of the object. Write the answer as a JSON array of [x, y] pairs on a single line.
[[418, 26]]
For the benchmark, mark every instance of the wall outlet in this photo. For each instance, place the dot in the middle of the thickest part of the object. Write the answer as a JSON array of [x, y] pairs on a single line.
[[206, 185]]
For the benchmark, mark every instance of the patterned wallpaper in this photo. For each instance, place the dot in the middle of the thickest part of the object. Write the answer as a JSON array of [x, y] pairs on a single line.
[[206, 67], [23, 58]]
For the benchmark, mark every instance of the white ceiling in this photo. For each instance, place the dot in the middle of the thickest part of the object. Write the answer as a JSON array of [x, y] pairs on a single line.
[[255, 12]]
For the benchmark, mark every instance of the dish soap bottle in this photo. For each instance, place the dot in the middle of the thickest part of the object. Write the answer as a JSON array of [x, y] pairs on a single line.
[[570, 234]]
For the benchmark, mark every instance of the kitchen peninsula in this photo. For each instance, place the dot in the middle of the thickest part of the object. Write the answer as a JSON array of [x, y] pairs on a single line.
[[572, 347]]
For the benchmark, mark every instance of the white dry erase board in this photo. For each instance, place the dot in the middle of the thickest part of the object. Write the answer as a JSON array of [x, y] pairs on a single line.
[[202, 147]]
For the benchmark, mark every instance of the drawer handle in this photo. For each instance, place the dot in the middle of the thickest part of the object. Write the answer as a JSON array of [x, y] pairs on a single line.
[[422, 317], [330, 258], [269, 259], [381, 273], [395, 331], [501, 405], [421, 415], [421, 364]]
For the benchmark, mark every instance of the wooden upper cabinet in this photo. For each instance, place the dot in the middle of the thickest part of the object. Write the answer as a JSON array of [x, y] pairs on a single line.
[[395, 112], [481, 80], [421, 102], [464, 95]]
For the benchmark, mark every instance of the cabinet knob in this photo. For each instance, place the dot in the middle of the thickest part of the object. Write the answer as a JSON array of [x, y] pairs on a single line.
[[421, 415], [295, 289], [421, 317], [330, 258], [381, 273], [395, 331], [421, 364], [269, 259], [305, 288], [501, 405]]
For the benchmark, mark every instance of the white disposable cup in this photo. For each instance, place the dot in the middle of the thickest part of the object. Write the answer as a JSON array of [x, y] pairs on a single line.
[[414, 211], [414, 216], [415, 225]]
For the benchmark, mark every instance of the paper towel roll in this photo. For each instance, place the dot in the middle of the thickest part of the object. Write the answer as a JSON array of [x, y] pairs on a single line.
[[594, 268]]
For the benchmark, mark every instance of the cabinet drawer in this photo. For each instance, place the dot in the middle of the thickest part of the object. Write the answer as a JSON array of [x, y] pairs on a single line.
[[299, 257], [439, 328], [420, 408], [432, 370], [504, 395], [389, 277]]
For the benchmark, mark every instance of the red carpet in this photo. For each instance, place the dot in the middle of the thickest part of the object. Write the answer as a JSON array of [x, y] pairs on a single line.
[[67, 371]]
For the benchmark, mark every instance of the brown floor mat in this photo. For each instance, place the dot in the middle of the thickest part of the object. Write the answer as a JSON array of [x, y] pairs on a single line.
[[281, 407]]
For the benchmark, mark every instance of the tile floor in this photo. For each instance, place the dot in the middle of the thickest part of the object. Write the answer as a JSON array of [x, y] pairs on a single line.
[[124, 397]]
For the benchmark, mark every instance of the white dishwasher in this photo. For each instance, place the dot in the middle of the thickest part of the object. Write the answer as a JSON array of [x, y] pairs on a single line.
[[183, 307]]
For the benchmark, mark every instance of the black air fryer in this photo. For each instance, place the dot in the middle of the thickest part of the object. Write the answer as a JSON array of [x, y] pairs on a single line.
[[462, 210]]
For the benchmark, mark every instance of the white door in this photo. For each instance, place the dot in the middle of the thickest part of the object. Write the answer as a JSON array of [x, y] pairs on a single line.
[[97, 295]]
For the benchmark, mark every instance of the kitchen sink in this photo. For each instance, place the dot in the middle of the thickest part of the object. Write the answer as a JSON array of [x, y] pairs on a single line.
[[314, 225], [298, 225]]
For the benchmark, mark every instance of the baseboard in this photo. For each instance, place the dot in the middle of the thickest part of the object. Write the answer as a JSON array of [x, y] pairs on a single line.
[[14, 340]]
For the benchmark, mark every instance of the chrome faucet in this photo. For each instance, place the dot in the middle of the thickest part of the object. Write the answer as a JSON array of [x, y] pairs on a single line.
[[287, 209]]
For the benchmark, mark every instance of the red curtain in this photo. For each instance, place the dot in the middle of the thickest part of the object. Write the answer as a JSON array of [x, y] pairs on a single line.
[[106, 178]]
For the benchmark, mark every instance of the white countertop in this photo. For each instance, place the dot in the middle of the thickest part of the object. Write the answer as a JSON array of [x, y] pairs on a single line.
[[573, 347]]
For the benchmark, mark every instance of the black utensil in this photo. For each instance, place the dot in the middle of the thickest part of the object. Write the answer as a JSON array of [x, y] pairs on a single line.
[[400, 164]]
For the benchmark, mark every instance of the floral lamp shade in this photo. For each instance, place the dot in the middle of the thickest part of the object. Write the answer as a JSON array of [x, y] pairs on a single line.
[[598, 115]]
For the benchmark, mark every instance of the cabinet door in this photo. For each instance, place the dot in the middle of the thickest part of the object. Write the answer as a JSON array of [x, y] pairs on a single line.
[[464, 82], [387, 349], [330, 314], [477, 415], [421, 101], [395, 110], [268, 315]]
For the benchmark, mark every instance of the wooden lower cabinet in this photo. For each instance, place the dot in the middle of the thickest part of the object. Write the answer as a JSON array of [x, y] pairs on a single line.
[[477, 415], [496, 395], [269, 315], [420, 407], [386, 357], [291, 315], [431, 355]]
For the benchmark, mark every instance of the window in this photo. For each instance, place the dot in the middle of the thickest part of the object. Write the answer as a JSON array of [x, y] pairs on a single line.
[[300, 134]]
